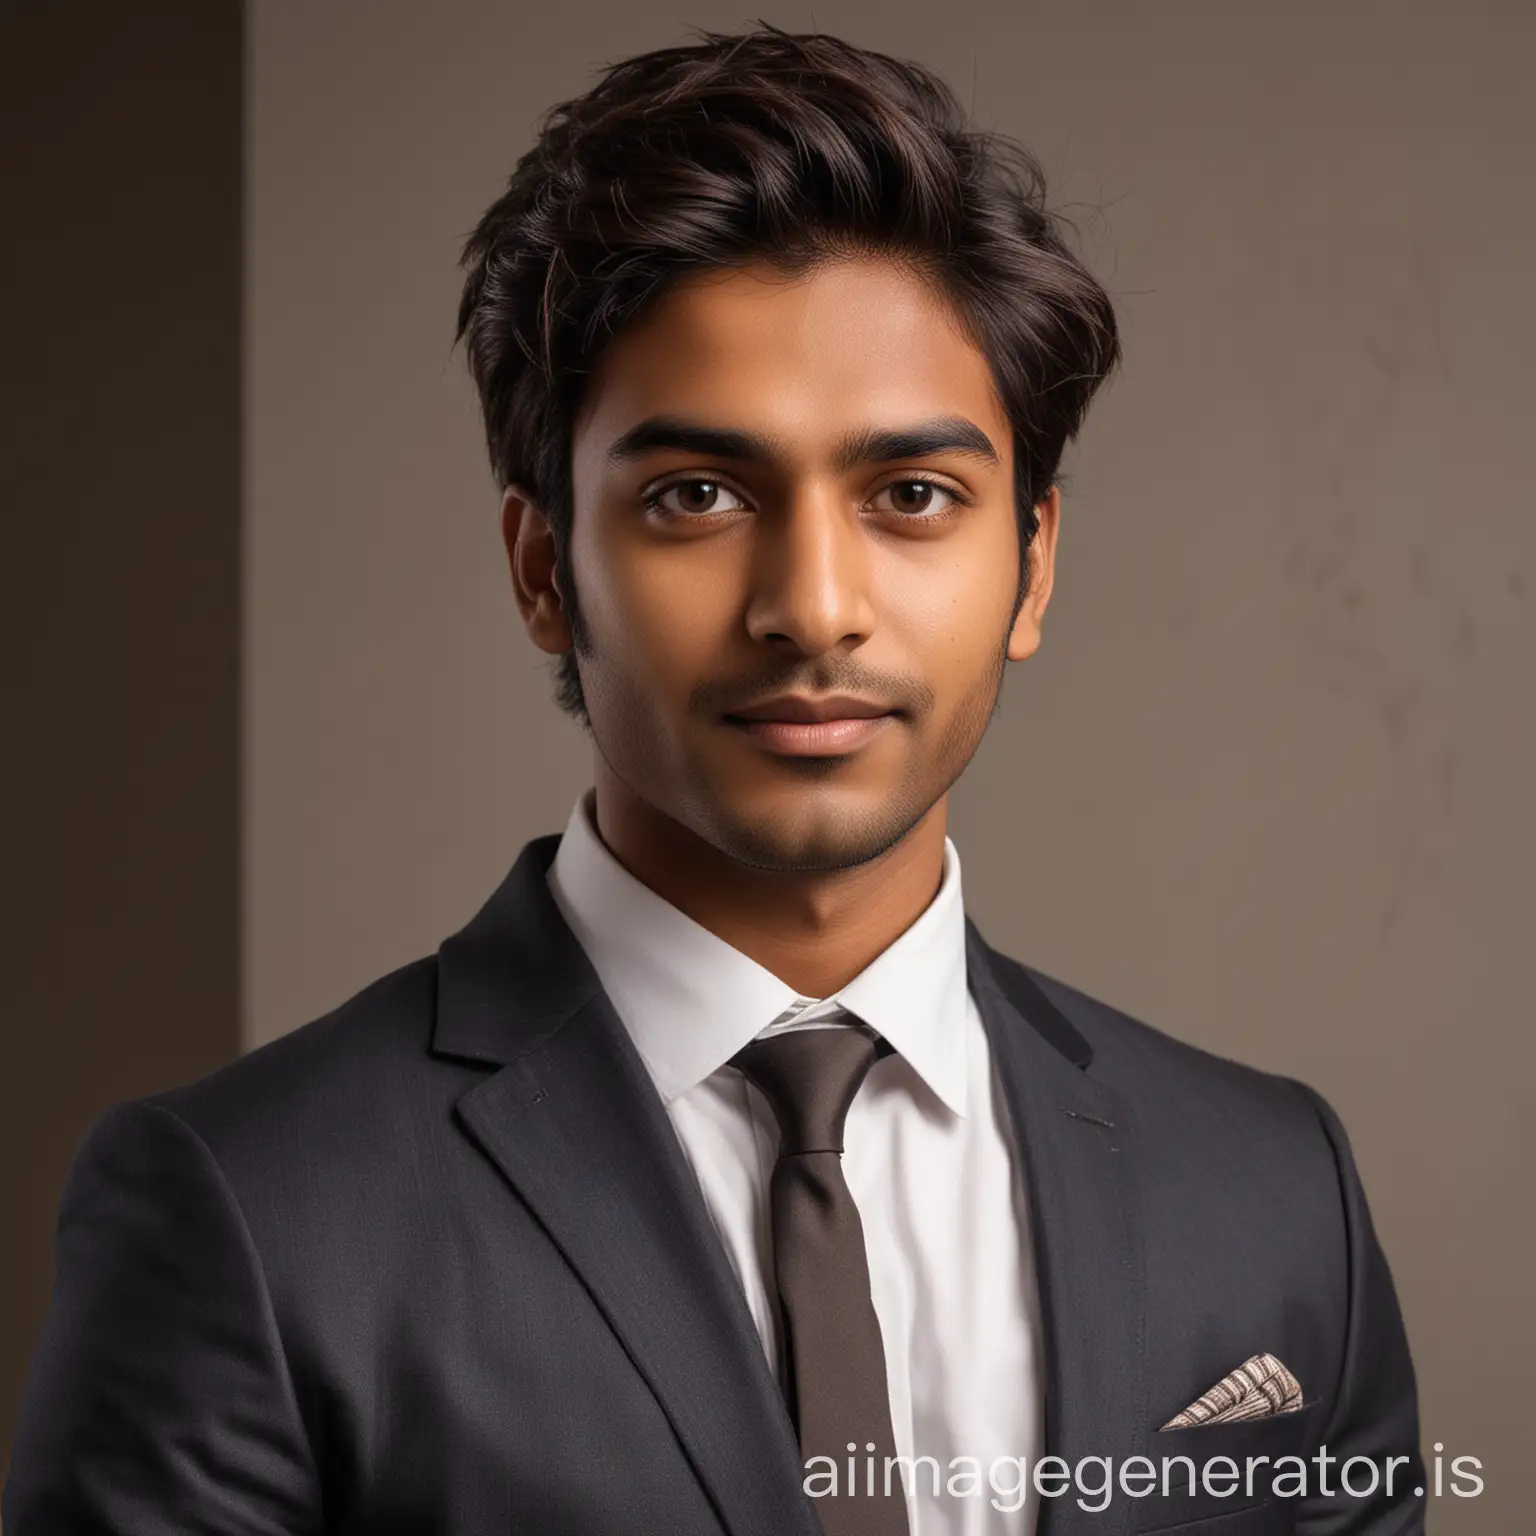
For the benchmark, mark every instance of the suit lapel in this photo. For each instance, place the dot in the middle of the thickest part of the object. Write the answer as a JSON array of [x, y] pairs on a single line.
[[575, 1125], [1077, 1144]]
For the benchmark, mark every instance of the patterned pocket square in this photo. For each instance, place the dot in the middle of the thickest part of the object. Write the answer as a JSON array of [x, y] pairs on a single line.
[[1259, 1387]]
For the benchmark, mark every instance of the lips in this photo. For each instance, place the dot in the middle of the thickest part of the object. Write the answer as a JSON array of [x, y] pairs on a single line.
[[799, 709], [795, 725]]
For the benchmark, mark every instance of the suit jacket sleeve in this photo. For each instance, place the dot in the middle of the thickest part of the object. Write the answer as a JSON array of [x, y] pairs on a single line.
[[159, 1398], [1374, 1408]]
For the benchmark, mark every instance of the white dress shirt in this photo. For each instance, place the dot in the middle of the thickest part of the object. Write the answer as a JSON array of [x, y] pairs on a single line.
[[929, 1157]]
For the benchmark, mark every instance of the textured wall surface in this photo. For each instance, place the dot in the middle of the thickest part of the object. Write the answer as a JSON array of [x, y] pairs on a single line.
[[1267, 785]]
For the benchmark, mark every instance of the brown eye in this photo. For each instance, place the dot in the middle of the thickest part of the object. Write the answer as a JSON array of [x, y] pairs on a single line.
[[694, 498], [917, 498]]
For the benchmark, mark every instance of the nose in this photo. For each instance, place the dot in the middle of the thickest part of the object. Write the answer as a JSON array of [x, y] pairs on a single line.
[[810, 577]]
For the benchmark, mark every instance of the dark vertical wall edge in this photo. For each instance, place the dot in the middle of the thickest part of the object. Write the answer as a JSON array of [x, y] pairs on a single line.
[[120, 309]]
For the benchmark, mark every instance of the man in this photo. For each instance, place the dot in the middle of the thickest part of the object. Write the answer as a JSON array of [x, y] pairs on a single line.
[[719, 1168]]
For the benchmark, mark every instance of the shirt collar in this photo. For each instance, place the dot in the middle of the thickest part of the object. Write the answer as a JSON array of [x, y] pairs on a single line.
[[690, 1001]]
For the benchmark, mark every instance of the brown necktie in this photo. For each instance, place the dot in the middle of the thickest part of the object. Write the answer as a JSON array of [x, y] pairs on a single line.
[[836, 1362]]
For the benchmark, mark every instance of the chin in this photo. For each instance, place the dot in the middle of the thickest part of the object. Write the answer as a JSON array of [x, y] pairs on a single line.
[[819, 831]]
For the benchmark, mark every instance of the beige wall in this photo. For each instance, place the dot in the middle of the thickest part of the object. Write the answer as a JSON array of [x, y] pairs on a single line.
[[1268, 785]]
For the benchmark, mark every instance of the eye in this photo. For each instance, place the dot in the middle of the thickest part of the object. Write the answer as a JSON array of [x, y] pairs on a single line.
[[916, 498], [693, 498]]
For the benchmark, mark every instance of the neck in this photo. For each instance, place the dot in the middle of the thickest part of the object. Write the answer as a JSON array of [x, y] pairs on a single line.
[[815, 930]]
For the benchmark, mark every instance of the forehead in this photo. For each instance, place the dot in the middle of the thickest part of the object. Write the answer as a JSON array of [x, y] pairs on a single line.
[[853, 343]]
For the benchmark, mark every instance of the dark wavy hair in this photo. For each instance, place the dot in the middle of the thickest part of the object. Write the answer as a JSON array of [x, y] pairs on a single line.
[[765, 145]]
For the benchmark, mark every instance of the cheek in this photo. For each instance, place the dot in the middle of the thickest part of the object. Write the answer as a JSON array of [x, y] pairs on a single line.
[[650, 612], [953, 610]]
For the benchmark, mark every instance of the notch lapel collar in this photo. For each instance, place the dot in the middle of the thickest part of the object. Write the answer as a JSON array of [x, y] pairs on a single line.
[[575, 1125], [1077, 1142]]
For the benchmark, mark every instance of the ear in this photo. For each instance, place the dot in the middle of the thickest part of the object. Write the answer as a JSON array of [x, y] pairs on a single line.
[[530, 545], [1024, 638]]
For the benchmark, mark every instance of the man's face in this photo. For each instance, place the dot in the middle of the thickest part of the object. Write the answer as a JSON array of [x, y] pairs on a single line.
[[789, 492]]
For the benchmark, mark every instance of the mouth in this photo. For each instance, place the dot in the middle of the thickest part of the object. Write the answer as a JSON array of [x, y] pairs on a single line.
[[801, 726]]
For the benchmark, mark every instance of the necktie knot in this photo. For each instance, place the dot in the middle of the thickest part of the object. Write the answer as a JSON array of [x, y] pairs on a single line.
[[809, 1077]]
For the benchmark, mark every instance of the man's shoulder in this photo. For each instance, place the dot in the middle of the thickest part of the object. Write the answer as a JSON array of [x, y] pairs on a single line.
[[365, 1063], [1169, 1080]]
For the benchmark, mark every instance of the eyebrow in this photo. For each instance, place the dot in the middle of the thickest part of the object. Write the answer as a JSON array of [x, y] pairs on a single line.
[[943, 434]]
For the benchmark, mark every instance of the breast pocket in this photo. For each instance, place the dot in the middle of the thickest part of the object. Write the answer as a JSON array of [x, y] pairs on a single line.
[[1227, 1472]]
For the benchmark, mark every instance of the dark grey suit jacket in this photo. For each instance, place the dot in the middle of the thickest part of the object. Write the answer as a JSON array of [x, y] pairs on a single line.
[[437, 1263]]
